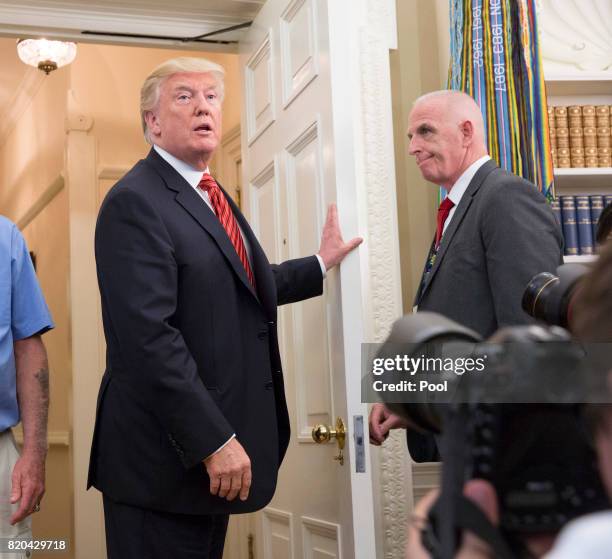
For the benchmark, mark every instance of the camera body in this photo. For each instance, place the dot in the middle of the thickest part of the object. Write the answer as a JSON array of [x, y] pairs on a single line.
[[540, 462], [538, 455]]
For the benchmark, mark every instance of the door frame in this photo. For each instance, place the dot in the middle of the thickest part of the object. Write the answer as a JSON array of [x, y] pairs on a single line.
[[361, 34]]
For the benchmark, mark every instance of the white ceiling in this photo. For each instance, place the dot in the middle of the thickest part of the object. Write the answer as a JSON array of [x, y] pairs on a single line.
[[174, 18]]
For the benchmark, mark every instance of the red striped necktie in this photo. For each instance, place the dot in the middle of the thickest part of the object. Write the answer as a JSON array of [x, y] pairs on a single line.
[[443, 211], [228, 221]]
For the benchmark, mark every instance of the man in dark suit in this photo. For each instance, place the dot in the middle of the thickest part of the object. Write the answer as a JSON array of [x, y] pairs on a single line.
[[495, 232], [191, 410]]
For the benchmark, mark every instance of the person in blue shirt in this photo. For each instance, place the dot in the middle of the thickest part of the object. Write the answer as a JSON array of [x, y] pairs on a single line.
[[24, 384]]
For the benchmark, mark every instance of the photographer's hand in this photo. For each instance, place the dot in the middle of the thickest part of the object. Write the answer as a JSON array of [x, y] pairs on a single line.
[[381, 422], [483, 494], [479, 491]]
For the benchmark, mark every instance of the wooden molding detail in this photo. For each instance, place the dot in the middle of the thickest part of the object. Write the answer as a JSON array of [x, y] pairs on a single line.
[[231, 136], [384, 301], [112, 172], [42, 202], [76, 118], [54, 438]]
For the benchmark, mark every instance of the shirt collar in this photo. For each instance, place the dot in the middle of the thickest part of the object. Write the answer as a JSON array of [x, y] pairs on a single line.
[[459, 188], [191, 175]]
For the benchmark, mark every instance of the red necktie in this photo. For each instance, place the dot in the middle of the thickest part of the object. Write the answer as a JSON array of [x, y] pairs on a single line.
[[443, 211], [228, 221]]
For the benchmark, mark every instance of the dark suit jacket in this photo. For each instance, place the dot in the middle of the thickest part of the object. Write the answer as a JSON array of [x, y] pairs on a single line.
[[502, 234], [192, 349]]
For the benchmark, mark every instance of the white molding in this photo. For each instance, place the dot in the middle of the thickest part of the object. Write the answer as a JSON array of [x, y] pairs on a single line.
[[426, 476], [384, 301], [265, 48], [280, 516], [19, 103], [41, 202], [85, 321], [270, 171], [396, 494], [77, 120], [322, 528], [231, 136], [311, 134], [310, 68], [68, 21]]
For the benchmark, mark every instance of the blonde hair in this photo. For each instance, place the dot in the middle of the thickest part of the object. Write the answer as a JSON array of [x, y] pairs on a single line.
[[149, 93]]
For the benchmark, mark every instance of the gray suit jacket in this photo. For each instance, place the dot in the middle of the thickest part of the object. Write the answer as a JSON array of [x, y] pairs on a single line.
[[502, 233]]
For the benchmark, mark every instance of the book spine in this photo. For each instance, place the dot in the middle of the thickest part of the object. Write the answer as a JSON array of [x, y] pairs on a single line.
[[585, 225], [570, 225], [597, 204], [607, 200], [555, 206]]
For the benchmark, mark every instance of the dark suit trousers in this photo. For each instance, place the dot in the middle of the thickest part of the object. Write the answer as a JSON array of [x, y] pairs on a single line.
[[132, 532]]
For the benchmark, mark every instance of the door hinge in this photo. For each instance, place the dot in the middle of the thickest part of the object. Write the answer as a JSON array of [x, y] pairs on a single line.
[[251, 544]]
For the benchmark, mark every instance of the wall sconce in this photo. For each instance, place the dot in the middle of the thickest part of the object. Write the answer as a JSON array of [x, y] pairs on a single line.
[[46, 55]]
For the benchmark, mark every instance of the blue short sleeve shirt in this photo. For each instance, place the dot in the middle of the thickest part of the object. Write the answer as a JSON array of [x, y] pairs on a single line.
[[23, 313]]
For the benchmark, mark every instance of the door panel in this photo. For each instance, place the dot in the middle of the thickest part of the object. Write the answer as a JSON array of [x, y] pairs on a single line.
[[289, 119]]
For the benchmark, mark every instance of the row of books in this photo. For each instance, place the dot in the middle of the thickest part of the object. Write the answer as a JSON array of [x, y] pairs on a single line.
[[578, 217], [580, 135]]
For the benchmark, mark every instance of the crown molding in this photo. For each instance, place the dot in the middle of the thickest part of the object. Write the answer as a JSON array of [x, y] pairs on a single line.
[[67, 23]]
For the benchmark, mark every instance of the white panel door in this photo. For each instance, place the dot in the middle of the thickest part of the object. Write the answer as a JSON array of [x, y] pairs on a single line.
[[322, 509]]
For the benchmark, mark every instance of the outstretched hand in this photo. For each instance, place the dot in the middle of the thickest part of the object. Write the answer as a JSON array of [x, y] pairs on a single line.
[[482, 494], [333, 248]]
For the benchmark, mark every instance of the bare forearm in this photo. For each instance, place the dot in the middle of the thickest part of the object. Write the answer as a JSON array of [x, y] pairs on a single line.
[[33, 393]]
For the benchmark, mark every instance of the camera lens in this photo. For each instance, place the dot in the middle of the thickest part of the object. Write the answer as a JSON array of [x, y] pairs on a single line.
[[537, 293]]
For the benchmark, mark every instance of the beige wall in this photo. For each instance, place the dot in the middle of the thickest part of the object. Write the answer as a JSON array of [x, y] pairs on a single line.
[[47, 237], [31, 159], [31, 154], [106, 82], [418, 65]]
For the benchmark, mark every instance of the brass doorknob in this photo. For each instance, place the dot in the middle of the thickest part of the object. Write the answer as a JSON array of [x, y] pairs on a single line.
[[324, 433]]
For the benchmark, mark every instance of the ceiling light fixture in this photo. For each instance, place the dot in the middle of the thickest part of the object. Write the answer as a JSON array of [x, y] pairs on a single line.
[[46, 55]]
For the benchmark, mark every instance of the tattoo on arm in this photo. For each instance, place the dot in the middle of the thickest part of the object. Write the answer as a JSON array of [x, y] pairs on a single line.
[[42, 376]]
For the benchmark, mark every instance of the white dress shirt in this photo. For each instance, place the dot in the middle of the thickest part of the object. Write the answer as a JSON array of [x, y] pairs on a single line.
[[458, 189], [193, 177]]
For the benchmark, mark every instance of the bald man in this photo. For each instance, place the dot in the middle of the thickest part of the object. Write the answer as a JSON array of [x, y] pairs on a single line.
[[495, 232]]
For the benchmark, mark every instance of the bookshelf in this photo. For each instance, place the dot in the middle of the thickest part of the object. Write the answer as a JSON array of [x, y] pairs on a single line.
[[566, 88], [579, 259], [583, 180]]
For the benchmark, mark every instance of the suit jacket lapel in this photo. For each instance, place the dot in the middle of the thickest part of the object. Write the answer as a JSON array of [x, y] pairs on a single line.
[[266, 286], [193, 204], [458, 216]]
